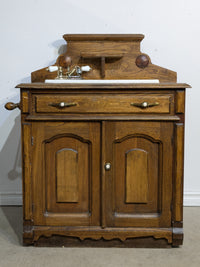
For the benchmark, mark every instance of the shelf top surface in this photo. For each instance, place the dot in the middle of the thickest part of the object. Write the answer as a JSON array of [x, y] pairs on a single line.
[[105, 86], [103, 37]]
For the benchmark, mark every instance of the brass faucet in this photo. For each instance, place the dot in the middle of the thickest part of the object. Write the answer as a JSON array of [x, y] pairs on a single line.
[[75, 73]]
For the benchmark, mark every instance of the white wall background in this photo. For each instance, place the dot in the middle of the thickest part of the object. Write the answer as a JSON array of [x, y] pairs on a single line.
[[31, 35]]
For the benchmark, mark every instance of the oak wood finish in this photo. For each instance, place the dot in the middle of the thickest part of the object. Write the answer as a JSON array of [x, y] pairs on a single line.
[[155, 139], [103, 37], [109, 103], [25, 102], [136, 242], [11, 105], [135, 196], [103, 57], [96, 86], [27, 170], [70, 198], [75, 206], [67, 175], [96, 233], [178, 190], [180, 101], [102, 53], [136, 166]]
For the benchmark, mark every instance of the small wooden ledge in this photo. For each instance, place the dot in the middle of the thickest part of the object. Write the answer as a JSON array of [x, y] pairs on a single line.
[[98, 55]]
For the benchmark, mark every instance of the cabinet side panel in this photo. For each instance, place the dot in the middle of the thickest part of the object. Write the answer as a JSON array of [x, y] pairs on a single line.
[[136, 176], [178, 190], [67, 176], [26, 130]]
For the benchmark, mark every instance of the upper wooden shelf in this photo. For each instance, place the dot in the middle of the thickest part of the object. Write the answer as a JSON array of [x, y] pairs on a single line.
[[102, 54], [103, 37]]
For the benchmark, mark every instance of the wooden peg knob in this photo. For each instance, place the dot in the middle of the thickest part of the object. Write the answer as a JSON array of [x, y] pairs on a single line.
[[67, 61], [142, 61], [11, 105]]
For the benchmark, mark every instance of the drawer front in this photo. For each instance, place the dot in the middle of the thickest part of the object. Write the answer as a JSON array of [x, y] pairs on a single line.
[[103, 103]]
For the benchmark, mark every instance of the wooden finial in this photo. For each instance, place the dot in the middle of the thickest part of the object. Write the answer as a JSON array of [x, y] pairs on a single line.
[[142, 61]]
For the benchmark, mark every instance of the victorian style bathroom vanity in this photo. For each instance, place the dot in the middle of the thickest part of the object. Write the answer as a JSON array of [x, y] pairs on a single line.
[[102, 147]]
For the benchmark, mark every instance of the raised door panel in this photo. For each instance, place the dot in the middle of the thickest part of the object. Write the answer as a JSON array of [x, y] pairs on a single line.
[[139, 184], [67, 177], [136, 177], [137, 180], [66, 173]]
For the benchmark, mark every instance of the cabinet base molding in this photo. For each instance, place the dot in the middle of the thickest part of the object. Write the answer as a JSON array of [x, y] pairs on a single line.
[[98, 237], [63, 241]]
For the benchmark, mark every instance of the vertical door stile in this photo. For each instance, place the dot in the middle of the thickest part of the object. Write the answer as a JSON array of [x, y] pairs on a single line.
[[107, 173], [103, 187]]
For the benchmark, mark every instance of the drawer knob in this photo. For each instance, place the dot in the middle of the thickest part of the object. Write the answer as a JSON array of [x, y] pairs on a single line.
[[62, 104], [11, 105], [107, 166], [144, 104]]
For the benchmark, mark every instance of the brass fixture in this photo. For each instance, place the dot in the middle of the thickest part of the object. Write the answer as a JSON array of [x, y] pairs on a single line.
[[144, 104], [62, 104]]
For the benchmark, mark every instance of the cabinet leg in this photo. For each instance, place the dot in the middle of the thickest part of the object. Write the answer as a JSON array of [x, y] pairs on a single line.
[[177, 237]]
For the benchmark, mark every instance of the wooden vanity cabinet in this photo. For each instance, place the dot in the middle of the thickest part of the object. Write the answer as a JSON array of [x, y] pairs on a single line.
[[102, 156], [103, 172]]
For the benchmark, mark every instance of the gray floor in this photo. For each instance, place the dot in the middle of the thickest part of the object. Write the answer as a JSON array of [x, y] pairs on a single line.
[[12, 253]]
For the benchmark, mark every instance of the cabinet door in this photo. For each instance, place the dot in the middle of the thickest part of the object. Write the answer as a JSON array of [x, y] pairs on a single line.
[[66, 160], [137, 189]]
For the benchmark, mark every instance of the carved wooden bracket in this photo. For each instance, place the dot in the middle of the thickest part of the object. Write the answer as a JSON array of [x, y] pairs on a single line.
[[102, 57]]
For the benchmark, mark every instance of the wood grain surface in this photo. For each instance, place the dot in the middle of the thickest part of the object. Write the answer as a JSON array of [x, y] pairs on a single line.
[[101, 53], [70, 197]]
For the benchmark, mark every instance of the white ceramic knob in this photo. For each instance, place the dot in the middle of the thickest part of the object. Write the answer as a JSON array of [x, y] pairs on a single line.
[[85, 68], [52, 68]]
